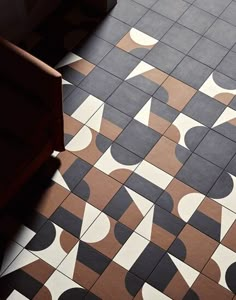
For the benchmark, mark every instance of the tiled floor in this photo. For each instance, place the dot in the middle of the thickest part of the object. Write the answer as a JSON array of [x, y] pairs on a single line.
[[144, 203]]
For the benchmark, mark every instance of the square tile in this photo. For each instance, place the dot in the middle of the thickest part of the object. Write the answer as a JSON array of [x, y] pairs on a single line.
[[205, 288], [105, 285], [93, 49], [146, 3], [228, 65], [128, 99], [84, 265], [197, 20], [180, 38], [91, 188], [222, 33], [213, 219], [174, 273], [217, 149], [118, 162], [146, 78], [49, 239], [186, 132], [93, 146], [168, 156], [160, 227], [119, 63], [199, 173], [94, 83], [156, 115], [231, 168], [208, 52], [106, 235], [220, 87], [138, 138], [154, 24], [140, 260], [175, 93], [180, 199], [220, 267], [204, 109], [164, 57], [128, 11], [190, 239], [109, 121], [170, 9], [111, 30], [71, 127], [215, 7], [192, 72], [229, 15], [128, 207], [81, 106], [137, 43]]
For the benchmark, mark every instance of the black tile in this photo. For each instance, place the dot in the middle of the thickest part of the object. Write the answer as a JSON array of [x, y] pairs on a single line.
[[67, 221], [100, 83], [204, 109], [197, 20], [222, 33], [215, 7], [192, 72], [138, 138], [154, 24], [164, 57], [111, 30], [128, 99], [180, 38], [217, 149], [93, 49], [199, 173], [144, 187], [170, 9], [119, 63], [128, 11], [208, 52], [228, 65]]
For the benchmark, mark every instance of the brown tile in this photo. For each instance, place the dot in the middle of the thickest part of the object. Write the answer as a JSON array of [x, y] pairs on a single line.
[[211, 209], [177, 287], [162, 237], [39, 270], [52, 199], [158, 123], [71, 125], [43, 293], [132, 216], [193, 247], [163, 156], [67, 241], [82, 66], [229, 239], [75, 205], [84, 276], [224, 98], [179, 94], [121, 175], [128, 44], [100, 188], [156, 76], [67, 159], [207, 289], [109, 129], [173, 133]]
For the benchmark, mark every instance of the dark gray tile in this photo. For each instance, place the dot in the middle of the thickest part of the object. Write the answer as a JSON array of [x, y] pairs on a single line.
[[217, 149], [74, 100], [192, 72], [128, 11], [164, 57], [146, 3], [119, 63], [197, 19], [234, 48], [180, 38], [223, 188], [215, 7], [222, 33], [128, 99], [228, 65], [154, 24], [100, 83], [233, 103], [93, 49], [199, 173], [111, 30], [138, 138], [170, 9], [231, 168], [204, 109], [208, 52], [229, 14]]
